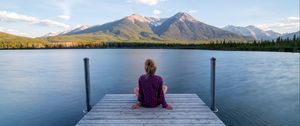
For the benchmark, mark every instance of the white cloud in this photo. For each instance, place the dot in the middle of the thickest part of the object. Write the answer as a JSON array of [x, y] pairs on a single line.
[[156, 12], [65, 6], [289, 24], [14, 32], [15, 17], [64, 17], [147, 2], [192, 11]]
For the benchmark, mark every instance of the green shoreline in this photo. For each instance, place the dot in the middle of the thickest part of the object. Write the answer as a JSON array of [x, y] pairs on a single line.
[[266, 46], [8, 42]]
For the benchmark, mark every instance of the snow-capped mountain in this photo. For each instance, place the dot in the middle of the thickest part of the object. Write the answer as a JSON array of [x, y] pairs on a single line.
[[69, 31], [290, 35], [155, 21], [51, 34], [182, 16], [253, 32], [76, 29], [181, 26]]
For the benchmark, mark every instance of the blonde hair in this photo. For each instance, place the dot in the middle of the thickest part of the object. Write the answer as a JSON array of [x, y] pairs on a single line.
[[150, 67]]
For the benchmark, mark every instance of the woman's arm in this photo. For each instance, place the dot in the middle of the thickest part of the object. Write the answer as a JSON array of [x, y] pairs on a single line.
[[161, 94], [163, 100], [141, 94]]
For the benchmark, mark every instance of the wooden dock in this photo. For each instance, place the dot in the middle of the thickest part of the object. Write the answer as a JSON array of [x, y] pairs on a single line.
[[115, 110]]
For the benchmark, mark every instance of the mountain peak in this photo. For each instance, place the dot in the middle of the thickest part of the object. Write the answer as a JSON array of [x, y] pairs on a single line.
[[252, 26], [252, 31], [82, 27], [232, 26], [153, 21], [181, 13], [69, 31], [136, 17], [180, 27], [183, 16], [50, 34]]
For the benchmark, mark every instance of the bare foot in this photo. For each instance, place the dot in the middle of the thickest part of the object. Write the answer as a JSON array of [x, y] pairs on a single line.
[[136, 106], [169, 107]]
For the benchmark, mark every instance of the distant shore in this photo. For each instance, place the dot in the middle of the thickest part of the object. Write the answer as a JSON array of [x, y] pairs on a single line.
[[272, 47], [278, 45]]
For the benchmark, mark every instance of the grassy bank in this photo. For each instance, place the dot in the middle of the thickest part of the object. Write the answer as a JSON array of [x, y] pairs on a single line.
[[16, 42]]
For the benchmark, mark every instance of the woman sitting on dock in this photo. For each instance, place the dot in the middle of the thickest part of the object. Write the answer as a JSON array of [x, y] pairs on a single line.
[[150, 91]]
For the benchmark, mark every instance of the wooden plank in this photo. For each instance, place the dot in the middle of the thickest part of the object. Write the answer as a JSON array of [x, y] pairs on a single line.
[[129, 104], [167, 100], [108, 124], [150, 121], [147, 110], [145, 117], [189, 124], [127, 97], [115, 110], [152, 112], [134, 101], [134, 98], [149, 116], [167, 95], [147, 113], [184, 124]]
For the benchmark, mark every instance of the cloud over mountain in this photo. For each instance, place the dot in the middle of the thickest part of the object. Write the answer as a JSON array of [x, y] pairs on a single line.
[[147, 2], [7, 16], [64, 17], [14, 32], [252, 31], [288, 24], [156, 12]]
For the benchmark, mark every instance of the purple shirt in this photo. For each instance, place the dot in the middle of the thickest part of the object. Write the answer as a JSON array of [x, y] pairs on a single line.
[[151, 91]]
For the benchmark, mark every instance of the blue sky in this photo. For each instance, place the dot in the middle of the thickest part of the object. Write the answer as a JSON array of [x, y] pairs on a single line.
[[39, 17]]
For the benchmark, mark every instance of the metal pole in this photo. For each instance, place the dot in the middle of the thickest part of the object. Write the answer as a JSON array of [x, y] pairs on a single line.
[[87, 83], [213, 84]]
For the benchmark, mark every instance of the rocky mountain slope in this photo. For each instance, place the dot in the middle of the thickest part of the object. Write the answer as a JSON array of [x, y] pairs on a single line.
[[180, 27], [252, 31]]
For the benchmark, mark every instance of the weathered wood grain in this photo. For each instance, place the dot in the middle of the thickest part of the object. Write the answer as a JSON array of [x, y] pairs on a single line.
[[115, 110]]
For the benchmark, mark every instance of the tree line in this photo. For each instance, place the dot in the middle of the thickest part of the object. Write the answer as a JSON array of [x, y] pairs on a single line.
[[279, 44]]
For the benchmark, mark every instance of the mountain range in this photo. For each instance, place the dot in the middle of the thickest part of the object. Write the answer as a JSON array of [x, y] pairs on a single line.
[[180, 27], [253, 32], [69, 31], [291, 35]]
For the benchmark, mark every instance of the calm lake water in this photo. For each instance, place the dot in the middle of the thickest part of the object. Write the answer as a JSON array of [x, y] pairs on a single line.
[[46, 87]]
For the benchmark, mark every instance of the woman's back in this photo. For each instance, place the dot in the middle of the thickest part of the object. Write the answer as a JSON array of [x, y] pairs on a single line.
[[150, 90], [151, 93]]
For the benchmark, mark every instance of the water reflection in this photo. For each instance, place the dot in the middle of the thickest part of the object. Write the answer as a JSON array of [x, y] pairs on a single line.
[[46, 87]]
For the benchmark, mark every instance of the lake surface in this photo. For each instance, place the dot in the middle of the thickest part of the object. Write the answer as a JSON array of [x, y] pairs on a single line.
[[46, 87]]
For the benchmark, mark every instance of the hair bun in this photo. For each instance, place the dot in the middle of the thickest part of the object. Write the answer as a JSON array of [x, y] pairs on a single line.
[[150, 67]]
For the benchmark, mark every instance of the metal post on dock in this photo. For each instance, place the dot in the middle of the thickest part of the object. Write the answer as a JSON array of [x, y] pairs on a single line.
[[213, 84], [87, 83]]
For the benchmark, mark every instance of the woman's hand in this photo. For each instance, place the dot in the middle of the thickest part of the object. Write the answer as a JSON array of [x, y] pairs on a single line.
[[136, 106], [169, 107]]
